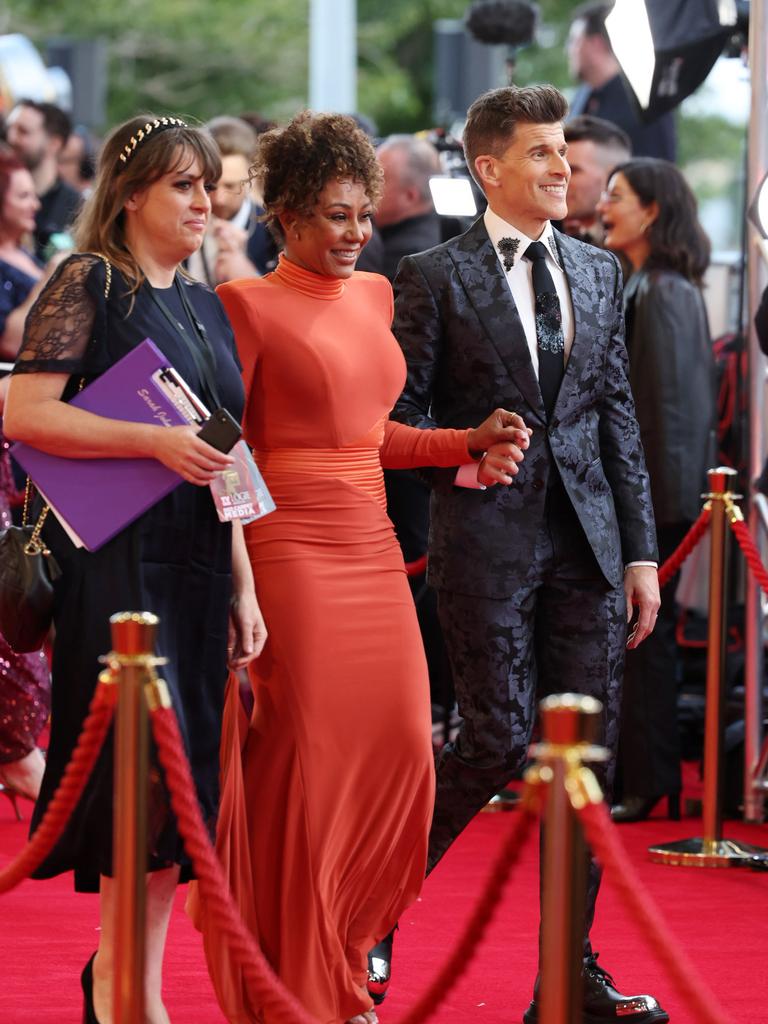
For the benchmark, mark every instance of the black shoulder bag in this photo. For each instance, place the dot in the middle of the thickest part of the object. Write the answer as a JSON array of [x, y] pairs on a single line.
[[28, 570]]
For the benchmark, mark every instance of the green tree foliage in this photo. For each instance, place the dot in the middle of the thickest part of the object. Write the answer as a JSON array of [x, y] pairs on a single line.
[[395, 57], [200, 58], [189, 56]]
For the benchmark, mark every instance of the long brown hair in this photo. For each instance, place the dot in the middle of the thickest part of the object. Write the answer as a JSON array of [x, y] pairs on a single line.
[[101, 225], [676, 238]]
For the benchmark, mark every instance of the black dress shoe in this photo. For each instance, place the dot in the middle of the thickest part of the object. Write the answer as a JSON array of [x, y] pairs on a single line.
[[86, 980], [380, 967], [638, 808], [603, 1002]]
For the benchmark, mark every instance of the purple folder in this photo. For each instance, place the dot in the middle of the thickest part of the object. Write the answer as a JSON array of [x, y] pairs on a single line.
[[97, 498]]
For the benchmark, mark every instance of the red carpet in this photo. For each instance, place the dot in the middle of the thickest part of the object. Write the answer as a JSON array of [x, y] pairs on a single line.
[[720, 917]]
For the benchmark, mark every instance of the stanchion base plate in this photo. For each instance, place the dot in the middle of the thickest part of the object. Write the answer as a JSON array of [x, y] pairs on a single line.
[[506, 800], [708, 853]]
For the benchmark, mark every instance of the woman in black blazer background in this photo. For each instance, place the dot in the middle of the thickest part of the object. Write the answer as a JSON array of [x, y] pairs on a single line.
[[651, 221]]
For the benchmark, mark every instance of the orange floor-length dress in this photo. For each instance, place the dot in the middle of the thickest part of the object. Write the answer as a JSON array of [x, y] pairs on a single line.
[[324, 819]]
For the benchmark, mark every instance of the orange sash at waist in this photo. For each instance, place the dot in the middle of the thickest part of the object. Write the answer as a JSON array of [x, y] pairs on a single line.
[[360, 467]]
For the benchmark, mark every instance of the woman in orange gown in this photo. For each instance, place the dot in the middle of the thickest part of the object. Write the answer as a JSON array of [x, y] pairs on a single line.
[[327, 791]]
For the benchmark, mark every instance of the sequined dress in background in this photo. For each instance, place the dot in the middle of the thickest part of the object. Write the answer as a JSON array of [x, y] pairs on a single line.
[[25, 688]]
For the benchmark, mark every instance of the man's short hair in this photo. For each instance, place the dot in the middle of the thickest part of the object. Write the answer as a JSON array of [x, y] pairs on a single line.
[[422, 161], [494, 116], [233, 136], [56, 122], [588, 128], [593, 15]]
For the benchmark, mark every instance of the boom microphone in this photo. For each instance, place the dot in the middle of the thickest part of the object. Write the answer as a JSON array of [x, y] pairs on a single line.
[[502, 21]]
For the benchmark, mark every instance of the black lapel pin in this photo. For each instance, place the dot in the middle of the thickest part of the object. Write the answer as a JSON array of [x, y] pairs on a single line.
[[508, 248]]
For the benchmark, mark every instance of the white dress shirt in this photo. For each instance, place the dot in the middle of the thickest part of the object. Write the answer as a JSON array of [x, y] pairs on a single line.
[[519, 277], [520, 280]]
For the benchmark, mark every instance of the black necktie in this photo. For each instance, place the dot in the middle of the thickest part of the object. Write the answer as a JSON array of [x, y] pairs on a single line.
[[549, 325]]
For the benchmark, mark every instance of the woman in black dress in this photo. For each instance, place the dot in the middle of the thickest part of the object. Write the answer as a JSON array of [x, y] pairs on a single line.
[[148, 212]]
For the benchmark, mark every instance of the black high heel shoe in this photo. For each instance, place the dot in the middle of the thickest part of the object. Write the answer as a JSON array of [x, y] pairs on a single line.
[[638, 808], [380, 968], [86, 980]]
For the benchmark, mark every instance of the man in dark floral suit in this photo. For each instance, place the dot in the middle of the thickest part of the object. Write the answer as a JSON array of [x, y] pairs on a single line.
[[536, 581]]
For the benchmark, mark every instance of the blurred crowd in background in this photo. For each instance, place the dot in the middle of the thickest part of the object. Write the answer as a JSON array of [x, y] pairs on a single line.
[[625, 193]]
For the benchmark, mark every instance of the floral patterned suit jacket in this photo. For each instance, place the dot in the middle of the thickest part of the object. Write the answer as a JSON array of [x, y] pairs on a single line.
[[467, 354]]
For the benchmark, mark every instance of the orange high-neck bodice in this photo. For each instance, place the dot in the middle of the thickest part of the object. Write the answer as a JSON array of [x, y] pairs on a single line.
[[322, 371], [307, 281], [319, 353]]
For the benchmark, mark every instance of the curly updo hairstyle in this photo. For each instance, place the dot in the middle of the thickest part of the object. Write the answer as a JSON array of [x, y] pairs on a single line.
[[296, 162]]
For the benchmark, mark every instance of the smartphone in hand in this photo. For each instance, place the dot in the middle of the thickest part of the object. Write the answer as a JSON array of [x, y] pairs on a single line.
[[221, 431]]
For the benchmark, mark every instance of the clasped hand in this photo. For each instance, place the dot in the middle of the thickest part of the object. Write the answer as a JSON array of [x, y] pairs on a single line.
[[503, 437]]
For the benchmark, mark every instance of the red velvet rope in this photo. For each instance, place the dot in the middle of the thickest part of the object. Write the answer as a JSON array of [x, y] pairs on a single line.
[[602, 838], [688, 543], [262, 980], [467, 946], [265, 985], [750, 552], [70, 788]]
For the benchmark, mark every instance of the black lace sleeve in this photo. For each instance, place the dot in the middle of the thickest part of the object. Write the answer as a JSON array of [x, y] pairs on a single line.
[[60, 324]]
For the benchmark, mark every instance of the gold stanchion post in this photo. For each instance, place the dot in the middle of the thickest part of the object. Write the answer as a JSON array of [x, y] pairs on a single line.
[[568, 723], [133, 642], [711, 850]]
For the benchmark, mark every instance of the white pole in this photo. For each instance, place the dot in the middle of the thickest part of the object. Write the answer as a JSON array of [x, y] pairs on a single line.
[[756, 277], [333, 55]]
